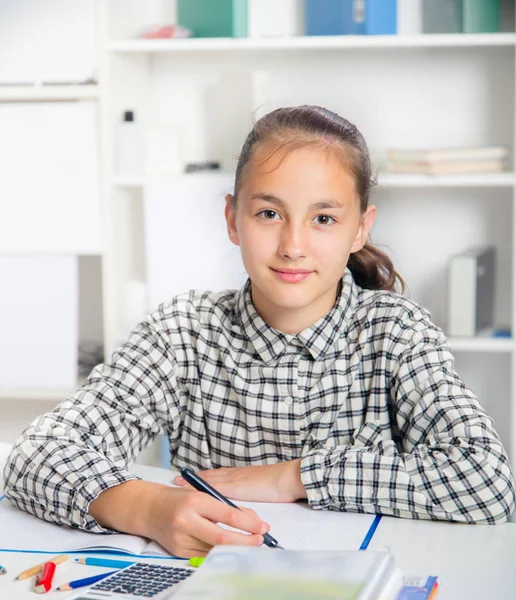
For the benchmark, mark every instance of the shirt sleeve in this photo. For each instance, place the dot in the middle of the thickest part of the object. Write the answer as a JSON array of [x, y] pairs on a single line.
[[67, 457], [446, 463]]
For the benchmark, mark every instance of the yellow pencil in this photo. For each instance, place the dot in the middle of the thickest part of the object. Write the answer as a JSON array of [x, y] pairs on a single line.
[[57, 560]]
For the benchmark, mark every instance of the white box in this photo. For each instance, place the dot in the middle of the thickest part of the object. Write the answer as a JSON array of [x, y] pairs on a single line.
[[49, 188], [409, 17], [471, 292], [275, 18], [186, 243], [50, 42], [38, 322]]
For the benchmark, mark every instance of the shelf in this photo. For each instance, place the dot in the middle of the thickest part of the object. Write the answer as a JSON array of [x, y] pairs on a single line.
[[481, 344], [386, 180], [26, 93], [395, 180], [315, 42], [35, 394]]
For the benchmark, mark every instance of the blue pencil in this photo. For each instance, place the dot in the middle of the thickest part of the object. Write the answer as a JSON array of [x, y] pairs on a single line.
[[104, 562], [78, 583], [3, 570]]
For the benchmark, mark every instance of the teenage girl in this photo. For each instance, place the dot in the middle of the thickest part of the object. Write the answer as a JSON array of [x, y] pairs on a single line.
[[315, 380]]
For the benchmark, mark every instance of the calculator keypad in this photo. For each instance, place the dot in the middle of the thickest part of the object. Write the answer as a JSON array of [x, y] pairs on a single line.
[[144, 580]]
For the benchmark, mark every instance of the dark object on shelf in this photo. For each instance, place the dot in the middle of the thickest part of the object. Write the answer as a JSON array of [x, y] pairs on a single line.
[[471, 285], [91, 354], [211, 165]]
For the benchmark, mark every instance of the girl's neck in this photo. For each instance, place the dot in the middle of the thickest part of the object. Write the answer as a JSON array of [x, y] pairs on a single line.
[[292, 320]]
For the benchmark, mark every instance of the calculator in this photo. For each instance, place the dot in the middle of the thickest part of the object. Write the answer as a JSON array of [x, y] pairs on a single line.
[[137, 582]]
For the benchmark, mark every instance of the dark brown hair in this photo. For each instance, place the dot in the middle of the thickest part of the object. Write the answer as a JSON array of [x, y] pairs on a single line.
[[287, 129]]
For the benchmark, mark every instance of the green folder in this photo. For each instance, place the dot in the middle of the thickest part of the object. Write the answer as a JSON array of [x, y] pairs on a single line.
[[213, 18], [480, 16]]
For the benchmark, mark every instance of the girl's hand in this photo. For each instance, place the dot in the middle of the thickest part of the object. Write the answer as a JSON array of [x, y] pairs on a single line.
[[184, 522], [265, 483]]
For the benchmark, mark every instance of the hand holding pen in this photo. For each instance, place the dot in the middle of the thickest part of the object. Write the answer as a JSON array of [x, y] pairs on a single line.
[[203, 486]]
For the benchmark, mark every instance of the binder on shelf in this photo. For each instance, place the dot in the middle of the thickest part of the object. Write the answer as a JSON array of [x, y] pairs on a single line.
[[442, 16], [480, 16], [471, 281], [208, 19], [350, 17]]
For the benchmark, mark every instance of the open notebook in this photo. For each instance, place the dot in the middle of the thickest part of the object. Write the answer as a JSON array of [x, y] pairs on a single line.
[[295, 526]]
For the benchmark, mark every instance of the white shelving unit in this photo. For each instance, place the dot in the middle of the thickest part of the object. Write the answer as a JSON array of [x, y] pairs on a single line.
[[426, 90], [22, 93], [313, 43]]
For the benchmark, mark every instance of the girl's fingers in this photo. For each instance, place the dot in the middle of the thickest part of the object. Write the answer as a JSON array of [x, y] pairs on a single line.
[[210, 533], [217, 512]]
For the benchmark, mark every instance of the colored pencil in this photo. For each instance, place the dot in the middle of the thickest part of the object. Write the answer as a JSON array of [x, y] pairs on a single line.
[[57, 560], [104, 562], [79, 583]]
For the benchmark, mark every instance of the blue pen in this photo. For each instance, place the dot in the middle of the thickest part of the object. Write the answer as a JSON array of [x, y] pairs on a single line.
[[104, 562], [79, 583]]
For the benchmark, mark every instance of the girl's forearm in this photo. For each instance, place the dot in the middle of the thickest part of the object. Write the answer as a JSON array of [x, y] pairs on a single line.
[[126, 507]]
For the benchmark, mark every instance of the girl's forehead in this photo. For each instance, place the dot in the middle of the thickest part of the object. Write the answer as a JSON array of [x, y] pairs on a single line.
[[301, 168]]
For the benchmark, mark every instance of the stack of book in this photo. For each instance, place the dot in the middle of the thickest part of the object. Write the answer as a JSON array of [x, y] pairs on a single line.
[[441, 161], [247, 572]]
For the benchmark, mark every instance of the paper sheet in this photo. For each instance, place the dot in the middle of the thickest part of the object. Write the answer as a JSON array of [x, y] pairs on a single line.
[[22, 531], [298, 527]]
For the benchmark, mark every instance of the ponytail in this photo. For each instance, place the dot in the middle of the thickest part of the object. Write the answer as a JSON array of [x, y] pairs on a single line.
[[372, 269]]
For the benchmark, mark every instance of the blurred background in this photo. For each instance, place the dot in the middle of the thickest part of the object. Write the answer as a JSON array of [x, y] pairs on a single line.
[[120, 126]]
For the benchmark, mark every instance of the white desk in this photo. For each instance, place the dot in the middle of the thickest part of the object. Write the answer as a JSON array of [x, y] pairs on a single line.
[[473, 562]]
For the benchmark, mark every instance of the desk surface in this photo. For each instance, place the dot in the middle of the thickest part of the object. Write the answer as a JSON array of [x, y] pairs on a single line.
[[471, 560]]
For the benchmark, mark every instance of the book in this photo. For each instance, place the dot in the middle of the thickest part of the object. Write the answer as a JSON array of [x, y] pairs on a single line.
[[448, 154], [205, 18], [480, 16], [442, 16], [250, 572], [296, 526], [446, 168], [419, 588]]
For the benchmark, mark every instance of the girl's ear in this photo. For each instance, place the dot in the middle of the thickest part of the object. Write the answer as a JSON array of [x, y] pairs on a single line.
[[230, 214], [366, 223]]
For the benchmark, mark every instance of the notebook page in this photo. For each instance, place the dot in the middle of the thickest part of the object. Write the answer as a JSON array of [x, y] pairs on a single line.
[[299, 527], [22, 531]]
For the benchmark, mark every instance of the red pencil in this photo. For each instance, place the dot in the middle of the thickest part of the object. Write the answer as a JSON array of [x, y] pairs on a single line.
[[43, 582]]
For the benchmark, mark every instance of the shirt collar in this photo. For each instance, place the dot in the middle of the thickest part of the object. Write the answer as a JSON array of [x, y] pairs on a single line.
[[318, 338]]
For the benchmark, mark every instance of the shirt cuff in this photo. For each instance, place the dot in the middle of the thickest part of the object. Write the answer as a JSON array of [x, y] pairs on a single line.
[[312, 476], [89, 492]]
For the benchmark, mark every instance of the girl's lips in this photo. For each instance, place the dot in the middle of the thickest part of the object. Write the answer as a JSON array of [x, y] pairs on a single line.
[[292, 277]]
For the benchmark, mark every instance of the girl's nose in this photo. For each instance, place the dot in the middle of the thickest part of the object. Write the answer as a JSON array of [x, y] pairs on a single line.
[[294, 242]]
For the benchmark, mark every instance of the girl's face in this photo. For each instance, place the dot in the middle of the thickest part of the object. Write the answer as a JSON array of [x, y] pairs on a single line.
[[296, 221]]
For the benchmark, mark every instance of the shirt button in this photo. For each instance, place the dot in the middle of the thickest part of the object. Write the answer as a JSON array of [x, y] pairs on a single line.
[[289, 400]]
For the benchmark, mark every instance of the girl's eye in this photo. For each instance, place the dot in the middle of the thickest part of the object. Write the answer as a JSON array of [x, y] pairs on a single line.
[[324, 219], [269, 215]]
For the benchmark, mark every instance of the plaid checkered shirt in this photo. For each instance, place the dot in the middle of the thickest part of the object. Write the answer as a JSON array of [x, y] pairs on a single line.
[[367, 396]]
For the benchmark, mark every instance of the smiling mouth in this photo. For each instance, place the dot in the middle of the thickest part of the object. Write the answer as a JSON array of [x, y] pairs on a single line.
[[292, 275]]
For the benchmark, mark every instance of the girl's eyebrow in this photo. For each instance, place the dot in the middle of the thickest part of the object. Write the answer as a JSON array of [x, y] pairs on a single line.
[[275, 200]]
